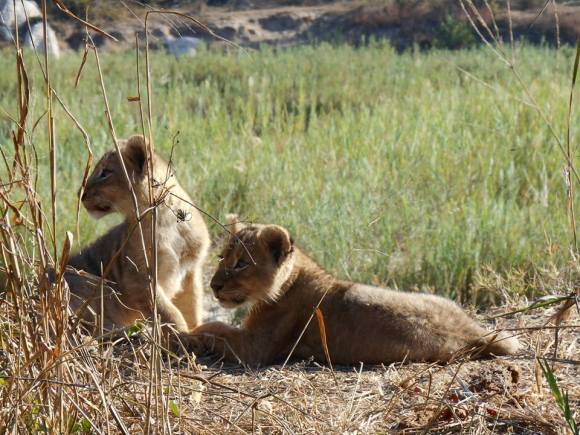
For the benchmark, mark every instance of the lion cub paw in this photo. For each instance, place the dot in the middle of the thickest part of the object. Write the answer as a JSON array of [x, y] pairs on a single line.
[[198, 344]]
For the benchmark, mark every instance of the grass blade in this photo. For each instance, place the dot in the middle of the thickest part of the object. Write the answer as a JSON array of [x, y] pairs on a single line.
[[561, 397]]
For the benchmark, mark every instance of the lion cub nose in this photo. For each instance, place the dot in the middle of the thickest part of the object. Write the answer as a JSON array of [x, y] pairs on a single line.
[[82, 194], [216, 286]]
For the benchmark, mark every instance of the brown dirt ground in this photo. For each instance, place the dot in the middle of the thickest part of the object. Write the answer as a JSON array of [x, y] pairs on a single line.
[[505, 395]]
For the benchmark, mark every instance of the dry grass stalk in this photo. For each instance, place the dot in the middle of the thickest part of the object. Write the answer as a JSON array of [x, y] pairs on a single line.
[[494, 42], [54, 378]]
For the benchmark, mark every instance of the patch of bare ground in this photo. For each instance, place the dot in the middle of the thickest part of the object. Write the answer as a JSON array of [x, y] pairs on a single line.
[[122, 388], [495, 395]]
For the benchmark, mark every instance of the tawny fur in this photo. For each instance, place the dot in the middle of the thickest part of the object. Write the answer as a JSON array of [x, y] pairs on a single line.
[[182, 244], [363, 323]]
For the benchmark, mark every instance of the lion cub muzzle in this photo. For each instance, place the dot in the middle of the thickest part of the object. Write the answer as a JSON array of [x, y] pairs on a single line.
[[227, 297]]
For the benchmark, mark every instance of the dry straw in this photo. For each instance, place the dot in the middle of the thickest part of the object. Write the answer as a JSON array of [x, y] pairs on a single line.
[[53, 378]]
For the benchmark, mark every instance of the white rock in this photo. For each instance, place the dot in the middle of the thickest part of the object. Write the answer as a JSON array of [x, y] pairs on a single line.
[[183, 46], [37, 35], [9, 14], [23, 8], [5, 33]]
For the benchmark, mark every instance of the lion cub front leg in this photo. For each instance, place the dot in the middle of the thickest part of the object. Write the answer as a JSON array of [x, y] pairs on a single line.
[[190, 300], [231, 343], [169, 313]]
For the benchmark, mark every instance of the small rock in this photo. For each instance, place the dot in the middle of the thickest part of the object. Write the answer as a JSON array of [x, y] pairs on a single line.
[[23, 9], [35, 38], [26, 15], [183, 46]]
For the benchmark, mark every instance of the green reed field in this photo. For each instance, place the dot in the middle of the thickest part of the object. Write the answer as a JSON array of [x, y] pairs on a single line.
[[396, 169]]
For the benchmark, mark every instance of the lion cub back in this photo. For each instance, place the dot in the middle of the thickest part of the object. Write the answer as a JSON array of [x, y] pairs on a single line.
[[395, 326]]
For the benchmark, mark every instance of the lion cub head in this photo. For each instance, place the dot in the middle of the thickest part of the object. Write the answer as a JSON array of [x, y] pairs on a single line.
[[254, 264], [107, 190]]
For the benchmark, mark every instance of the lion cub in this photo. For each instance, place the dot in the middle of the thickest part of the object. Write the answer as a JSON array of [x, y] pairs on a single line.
[[118, 256], [261, 265]]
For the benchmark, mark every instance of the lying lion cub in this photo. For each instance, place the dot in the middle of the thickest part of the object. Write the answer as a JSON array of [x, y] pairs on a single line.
[[367, 324], [182, 244]]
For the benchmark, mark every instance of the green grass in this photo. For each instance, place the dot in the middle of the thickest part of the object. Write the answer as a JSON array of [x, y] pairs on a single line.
[[389, 168]]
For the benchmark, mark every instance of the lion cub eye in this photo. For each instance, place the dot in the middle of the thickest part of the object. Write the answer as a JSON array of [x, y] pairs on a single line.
[[220, 258], [241, 265], [105, 173]]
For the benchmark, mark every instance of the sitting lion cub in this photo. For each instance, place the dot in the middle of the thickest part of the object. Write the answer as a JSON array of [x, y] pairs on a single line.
[[367, 324], [118, 256]]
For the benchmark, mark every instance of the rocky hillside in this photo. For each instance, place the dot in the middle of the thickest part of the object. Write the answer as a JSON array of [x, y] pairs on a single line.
[[405, 23]]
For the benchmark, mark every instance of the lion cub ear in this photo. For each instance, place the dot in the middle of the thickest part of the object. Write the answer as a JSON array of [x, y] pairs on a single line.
[[278, 242], [135, 154], [233, 223]]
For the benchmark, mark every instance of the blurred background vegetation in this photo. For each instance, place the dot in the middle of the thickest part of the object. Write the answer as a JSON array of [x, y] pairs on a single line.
[[393, 169]]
